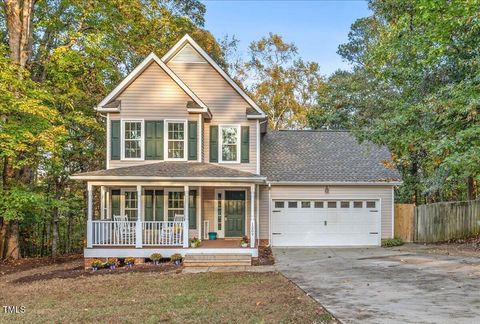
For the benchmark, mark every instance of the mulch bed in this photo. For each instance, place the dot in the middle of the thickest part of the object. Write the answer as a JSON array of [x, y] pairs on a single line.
[[474, 241], [79, 271], [265, 256], [25, 264]]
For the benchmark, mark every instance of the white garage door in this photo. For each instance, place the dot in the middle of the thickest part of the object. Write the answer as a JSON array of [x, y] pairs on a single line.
[[325, 222]]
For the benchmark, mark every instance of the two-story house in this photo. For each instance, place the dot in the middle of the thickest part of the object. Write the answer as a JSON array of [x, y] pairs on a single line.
[[189, 153]]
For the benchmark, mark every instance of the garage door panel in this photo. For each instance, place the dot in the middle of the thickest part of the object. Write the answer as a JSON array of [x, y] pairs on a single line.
[[325, 226]]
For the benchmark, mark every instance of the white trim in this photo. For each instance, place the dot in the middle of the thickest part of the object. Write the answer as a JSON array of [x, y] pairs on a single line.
[[338, 183], [123, 210], [199, 138], [220, 233], [258, 146], [142, 139], [166, 191], [136, 72], [166, 252], [185, 139], [187, 39], [255, 117], [393, 212], [220, 148], [108, 157]]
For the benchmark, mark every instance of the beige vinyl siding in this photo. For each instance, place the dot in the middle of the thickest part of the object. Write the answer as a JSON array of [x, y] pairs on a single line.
[[335, 192], [226, 105], [152, 96], [188, 55]]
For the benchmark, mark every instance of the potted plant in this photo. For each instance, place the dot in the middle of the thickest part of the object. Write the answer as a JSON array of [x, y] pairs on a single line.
[[96, 264], [212, 236], [244, 242], [176, 258], [112, 263], [130, 262], [195, 242], [156, 257]]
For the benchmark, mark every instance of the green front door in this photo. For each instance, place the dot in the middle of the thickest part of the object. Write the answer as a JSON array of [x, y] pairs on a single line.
[[234, 213]]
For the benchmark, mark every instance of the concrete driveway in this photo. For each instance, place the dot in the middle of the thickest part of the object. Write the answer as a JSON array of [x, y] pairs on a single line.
[[376, 285]]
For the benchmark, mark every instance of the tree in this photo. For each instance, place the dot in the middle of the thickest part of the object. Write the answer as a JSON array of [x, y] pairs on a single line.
[[279, 82]]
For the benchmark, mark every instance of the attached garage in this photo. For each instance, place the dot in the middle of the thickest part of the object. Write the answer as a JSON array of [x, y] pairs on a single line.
[[345, 222]]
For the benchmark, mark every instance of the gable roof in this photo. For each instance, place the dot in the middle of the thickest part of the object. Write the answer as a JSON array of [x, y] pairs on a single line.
[[194, 171], [328, 157], [189, 40], [104, 105]]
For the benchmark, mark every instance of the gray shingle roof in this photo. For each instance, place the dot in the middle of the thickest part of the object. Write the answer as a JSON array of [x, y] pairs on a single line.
[[168, 170], [322, 156]]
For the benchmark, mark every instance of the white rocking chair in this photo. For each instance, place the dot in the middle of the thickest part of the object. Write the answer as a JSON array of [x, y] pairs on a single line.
[[122, 230]]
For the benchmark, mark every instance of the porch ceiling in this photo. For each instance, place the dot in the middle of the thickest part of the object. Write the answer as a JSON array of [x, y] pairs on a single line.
[[172, 171]]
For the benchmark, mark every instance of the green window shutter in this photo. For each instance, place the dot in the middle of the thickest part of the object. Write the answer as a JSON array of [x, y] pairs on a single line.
[[192, 140], [154, 140], [192, 210], [159, 205], [148, 196], [213, 143], [115, 202], [115, 140], [245, 148]]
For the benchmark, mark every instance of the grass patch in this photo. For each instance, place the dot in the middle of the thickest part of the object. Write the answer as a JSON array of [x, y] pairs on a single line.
[[152, 297], [392, 242]]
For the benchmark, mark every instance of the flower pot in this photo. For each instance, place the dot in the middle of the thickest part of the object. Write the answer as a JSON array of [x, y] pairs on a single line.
[[178, 262], [244, 245], [94, 269], [130, 265], [212, 236], [156, 262], [112, 267]]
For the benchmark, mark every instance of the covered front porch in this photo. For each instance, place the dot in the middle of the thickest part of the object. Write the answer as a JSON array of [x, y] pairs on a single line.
[[134, 219]]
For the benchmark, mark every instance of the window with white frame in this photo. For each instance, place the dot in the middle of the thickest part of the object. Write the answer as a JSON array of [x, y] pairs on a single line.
[[230, 143], [175, 204], [132, 139], [131, 205], [176, 140]]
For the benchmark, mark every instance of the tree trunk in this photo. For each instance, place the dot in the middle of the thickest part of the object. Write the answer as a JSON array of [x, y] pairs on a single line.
[[55, 231], [471, 188], [13, 246], [18, 15]]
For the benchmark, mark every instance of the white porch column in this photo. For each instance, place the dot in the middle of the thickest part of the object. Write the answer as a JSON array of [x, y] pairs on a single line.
[[138, 225], [102, 202], [185, 214], [89, 216], [199, 213], [252, 216]]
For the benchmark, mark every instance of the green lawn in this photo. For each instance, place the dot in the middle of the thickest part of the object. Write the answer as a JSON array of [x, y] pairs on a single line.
[[152, 297]]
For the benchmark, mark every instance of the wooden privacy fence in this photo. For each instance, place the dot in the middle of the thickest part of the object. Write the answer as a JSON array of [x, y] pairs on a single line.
[[403, 227], [446, 220]]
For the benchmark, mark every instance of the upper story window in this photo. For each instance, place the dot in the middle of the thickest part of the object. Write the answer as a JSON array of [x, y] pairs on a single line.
[[230, 143], [132, 140], [176, 140]]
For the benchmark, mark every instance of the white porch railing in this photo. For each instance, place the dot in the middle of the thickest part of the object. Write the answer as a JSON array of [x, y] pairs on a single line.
[[163, 233], [154, 233]]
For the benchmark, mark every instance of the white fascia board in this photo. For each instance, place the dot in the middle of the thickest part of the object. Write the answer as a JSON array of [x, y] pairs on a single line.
[[137, 71], [146, 178], [187, 39], [338, 183], [255, 117]]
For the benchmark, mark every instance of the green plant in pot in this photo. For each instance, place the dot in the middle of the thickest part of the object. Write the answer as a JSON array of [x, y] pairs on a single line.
[[195, 242], [176, 258], [96, 264], [156, 257], [129, 262], [112, 263], [244, 242]]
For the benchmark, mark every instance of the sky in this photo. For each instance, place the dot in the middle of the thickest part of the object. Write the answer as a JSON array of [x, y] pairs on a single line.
[[316, 27]]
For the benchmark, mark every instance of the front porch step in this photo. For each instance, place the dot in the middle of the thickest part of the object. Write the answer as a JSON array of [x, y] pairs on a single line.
[[217, 259]]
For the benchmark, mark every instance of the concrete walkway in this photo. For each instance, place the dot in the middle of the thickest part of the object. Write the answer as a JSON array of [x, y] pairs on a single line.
[[229, 269], [379, 285]]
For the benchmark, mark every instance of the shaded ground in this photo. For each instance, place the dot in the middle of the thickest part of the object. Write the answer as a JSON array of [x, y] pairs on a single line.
[[265, 256], [378, 285], [462, 247], [63, 292]]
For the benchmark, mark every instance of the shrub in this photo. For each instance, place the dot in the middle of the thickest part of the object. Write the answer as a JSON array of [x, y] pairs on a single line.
[[245, 240], [155, 257], [112, 261], [392, 242]]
